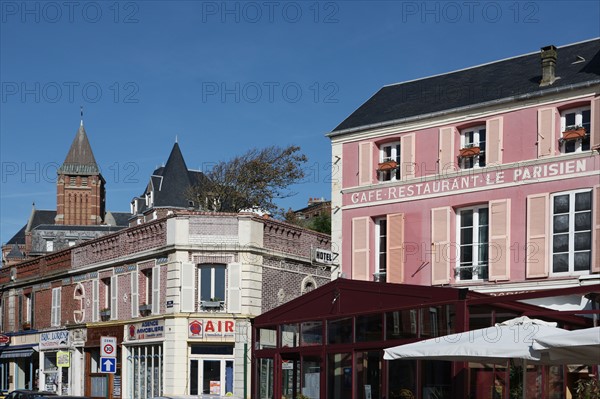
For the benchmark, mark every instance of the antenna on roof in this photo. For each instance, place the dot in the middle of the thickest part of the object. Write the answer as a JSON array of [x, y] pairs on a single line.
[[81, 112]]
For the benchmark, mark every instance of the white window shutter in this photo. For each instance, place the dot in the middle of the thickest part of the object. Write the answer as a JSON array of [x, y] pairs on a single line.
[[595, 124], [494, 140], [234, 288], [440, 243], [536, 246], [156, 290], [114, 298], [546, 134], [395, 248], [188, 280], [95, 299], [499, 251], [596, 230], [365, 164], [407, 158], [55, 313], [135, 294], [360, 248], [446, 144]]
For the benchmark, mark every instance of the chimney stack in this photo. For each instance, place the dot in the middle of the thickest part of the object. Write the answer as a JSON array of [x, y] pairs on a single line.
[[549, 56]]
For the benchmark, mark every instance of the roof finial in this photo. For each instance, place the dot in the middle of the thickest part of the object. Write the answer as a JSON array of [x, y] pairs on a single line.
[[81, 112], [176, 139]]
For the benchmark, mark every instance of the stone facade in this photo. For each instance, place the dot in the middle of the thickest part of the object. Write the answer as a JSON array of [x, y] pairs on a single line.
[[263, 264]]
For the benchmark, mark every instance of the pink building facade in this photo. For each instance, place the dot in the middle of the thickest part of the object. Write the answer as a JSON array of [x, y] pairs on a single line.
[[486, 178]]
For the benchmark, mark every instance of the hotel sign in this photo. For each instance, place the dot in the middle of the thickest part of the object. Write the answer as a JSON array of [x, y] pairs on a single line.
[[322, 256], [477, 180]]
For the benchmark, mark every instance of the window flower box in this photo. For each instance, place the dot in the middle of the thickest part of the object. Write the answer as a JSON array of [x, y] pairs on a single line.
[[387, 165], [145, 309], [213, 304], [468, 152], [105, 314], [575, 133]]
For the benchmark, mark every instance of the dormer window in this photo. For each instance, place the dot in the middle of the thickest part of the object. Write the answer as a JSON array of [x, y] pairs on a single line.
[[389, 161], [472, 147], [575, 128]]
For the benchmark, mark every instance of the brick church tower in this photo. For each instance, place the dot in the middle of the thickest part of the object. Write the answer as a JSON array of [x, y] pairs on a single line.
[[80, 188]]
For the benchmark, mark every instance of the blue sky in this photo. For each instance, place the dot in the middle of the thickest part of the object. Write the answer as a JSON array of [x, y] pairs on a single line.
[[224, 77]]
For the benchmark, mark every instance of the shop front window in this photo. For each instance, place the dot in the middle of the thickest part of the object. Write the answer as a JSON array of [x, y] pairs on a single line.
[[290, 336], [339, 375], [401, 324], [145, 368], [312, 333], [369, 328], [265, 378], [436, 379], [402, 379], [267, 338], [339, 331], [311, 377], [368, 374]]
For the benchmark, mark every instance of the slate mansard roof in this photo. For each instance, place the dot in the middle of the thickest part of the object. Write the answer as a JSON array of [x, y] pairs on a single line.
[[577, 65]]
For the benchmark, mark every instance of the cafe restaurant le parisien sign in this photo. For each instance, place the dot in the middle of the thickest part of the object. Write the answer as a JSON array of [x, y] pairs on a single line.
[[475, 180]]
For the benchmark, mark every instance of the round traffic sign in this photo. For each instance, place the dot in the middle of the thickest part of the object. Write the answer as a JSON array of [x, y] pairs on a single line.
[[108, 349]]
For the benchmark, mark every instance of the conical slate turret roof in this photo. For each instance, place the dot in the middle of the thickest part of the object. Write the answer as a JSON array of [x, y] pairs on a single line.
[[80, 159]]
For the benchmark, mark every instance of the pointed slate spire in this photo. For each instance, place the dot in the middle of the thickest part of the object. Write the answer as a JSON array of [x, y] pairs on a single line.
[[80, 159], [175, 180]]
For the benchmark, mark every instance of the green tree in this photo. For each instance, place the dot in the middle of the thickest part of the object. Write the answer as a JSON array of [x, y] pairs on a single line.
[[254, 180]]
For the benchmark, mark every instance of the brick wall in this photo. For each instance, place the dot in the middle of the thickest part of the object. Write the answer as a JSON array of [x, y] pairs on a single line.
[[282, 280], [293, 240], [127, 242]]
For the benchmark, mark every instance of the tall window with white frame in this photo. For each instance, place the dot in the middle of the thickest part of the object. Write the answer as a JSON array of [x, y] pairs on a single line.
[[473, 228], [473, 138], [381, 250], [571, 120], [389, 155], [55, 309], [212, 283], [572, 232]]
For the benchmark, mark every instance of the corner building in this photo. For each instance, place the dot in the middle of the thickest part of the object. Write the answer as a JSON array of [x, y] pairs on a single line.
[[486, 178]]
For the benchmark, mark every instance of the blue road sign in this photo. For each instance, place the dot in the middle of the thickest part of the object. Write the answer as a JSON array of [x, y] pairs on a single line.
[[108, 365]]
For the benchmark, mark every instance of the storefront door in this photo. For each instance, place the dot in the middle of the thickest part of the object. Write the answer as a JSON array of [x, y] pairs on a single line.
[[211, 376]]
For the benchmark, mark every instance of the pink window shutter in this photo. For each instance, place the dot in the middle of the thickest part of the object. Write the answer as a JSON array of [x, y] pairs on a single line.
[[365, 164], [494, 143], [360, 248], [440, 245], [395, 245], [596, 232], [546, 135], [407, 159], [595, 122], [447, 158], [536, 247], [499, 251]]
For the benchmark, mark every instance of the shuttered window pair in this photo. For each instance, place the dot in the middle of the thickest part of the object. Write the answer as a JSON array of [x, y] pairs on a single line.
[[549, 141], [211, 285], [402, 153], [480, 250], [563, 233], [390, 252]]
